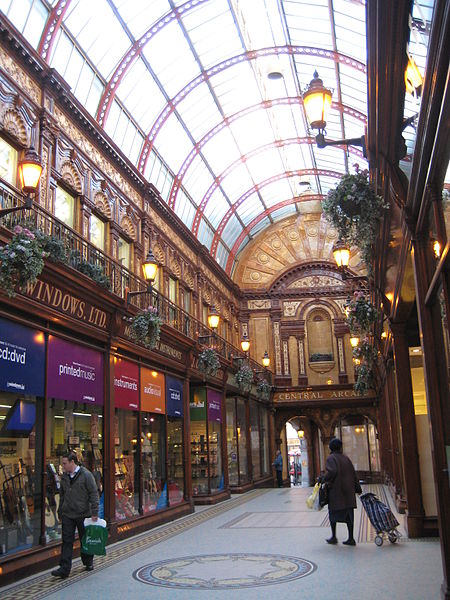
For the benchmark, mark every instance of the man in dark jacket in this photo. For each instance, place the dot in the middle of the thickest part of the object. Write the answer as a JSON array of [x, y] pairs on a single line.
[[78, 500], [278, 464], [342, 482]]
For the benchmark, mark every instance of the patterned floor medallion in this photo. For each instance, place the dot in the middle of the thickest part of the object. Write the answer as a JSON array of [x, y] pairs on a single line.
[[224, 571]]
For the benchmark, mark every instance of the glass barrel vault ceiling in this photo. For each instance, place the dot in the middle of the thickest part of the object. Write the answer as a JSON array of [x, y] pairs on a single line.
[[182, 88]]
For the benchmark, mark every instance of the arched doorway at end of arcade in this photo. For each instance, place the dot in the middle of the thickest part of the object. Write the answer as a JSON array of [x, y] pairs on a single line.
[[300, 462]]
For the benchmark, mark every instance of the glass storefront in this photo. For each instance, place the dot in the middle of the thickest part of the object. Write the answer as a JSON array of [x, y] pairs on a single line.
[[255, 439], [242, 428], [360, 443], [126, 402], [175, 426], [232, 449], [206, 441]]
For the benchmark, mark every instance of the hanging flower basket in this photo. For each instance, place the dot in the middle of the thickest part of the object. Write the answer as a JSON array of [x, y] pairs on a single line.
[[244, 378], [145, 327], [365, 379], [365, 352], [361, 313], [355, 211], [21, 261], [263, 389], [208, 362]]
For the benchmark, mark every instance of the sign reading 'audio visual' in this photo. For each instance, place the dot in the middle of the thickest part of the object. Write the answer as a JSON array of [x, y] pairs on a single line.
[[153, 391]]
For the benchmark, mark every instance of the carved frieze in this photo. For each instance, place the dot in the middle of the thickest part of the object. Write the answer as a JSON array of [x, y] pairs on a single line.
[[290, 308], [258, 304], [17, 74], [316, 281]]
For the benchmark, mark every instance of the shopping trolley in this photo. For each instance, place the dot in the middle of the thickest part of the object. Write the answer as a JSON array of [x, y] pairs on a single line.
[[381, 517]]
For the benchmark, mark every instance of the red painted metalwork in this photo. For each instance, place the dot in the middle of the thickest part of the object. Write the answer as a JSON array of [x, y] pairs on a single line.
[[259, 218], [257, 187], [231, 119], [226, 64], [218, 180], [51, 28], [136, 49]]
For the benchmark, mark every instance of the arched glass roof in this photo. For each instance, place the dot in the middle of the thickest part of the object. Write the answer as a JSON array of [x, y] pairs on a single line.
[[182, 88]]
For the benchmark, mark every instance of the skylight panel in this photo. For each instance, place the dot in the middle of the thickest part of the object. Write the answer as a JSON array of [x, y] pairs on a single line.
[[221, 150], [199, 180], [249, 209], [104, 45], [185, 209], [237, 182], [173, 153], [232, 231], [236, 87], [171, 58], [265, 222], [94, 95], [276, 191], [216, 209], [282, 212], [222, 255], [205, 234], [134, 91], [265, 164], [252, 131], [138, 15], [199, 111], [63, 49]]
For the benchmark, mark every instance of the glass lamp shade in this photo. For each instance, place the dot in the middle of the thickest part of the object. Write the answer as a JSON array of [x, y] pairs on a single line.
[[317, 102], [30, 170], [354, 341], [150, 267], [413, 78], [341, 254], [213, 318], [266, 359], [301, 434], [245, 344]]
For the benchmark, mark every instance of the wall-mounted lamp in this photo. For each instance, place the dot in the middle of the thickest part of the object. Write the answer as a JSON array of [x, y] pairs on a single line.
[[413, 78], [354, 341], [301, 434], [213, 318], [341, 253], [317, 103], [437, 249], [266, 360], [245, 344], [30, 170], [149, 270]]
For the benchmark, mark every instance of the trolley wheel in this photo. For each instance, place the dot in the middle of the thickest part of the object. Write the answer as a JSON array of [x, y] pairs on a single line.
[[378, 540], [393, 537]]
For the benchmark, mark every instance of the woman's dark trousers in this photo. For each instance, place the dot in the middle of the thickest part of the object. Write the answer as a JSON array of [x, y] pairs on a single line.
[[280, 478], [68, 537]]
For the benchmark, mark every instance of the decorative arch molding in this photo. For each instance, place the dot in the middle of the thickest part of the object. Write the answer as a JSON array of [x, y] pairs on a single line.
[[159, 254], [310, 268], [189, 279], [14, 124], [326, 305], [72, 177], [367, 411], [102, 205], [175, 268], [128, 227]]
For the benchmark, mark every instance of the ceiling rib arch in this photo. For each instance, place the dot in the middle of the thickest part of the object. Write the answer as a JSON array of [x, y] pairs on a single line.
[[259, 186], [265, 105], [51, 28], [226, 64]]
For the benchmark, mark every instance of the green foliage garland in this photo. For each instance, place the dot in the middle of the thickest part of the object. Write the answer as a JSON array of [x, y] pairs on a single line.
[[145, 327], [208, 362], [21, 261], [244, 377]]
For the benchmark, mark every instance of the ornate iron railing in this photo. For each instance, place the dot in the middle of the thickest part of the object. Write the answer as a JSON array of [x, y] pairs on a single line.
[[120, 278]]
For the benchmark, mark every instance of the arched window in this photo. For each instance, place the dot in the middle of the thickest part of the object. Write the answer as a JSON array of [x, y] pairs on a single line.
[[320, 338]]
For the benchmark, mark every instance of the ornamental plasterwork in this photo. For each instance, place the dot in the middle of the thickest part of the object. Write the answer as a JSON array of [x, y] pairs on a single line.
[[14, 123], [286, 357], [301, 357], [340, 302], [312, 281], [341, 355], [276, 340], [162, 226], [19, 76], [97, 157], [290, 308], [258, 304]]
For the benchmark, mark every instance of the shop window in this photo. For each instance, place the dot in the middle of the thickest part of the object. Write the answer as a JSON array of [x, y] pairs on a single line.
[[173, 297], [64, 207], [241, 427], [206, 441], [232, 446], [187, 301], [8, 163], [72, 426], [125, 463], [21, 430], [124, 252], [97, 230], [320, 343], [255, 439], [360, 442], [153, 460], [175, 460], [205, 311]]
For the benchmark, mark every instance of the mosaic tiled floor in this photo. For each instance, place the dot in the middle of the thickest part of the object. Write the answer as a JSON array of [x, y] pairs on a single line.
[[224, 571]]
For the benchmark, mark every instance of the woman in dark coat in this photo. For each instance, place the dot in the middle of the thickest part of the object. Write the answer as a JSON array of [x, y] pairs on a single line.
[[342, 484]]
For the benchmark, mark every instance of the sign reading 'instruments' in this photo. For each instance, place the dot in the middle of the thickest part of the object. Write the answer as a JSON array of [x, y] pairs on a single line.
[[67, 303], [316, 395]]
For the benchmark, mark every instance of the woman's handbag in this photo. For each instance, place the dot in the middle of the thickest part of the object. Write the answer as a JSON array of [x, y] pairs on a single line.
[[323, 494]]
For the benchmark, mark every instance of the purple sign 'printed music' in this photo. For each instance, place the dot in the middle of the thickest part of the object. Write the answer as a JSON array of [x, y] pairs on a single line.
[[74, 373]]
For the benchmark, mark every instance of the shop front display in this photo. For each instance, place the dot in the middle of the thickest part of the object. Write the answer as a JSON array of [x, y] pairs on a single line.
[[237, 428], [126, 459], [153, 440], [175, 427], [206, 441], [22, 369], [74, 419]]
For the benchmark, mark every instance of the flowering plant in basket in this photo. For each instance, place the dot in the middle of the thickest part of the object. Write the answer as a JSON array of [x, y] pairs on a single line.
[[361, 313], [21, 261], [263, 389], [244, 377]]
